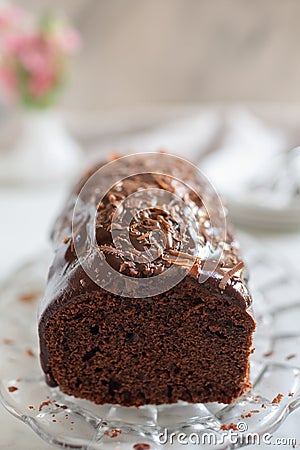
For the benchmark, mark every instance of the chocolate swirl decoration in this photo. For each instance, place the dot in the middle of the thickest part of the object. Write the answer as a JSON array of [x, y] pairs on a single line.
[[142, 222]]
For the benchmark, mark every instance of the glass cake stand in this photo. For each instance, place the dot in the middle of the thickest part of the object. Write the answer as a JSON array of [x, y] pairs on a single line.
[[68, 422]]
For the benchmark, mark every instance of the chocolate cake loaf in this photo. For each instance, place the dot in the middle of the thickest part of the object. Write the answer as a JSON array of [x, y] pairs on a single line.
[[102, 338]]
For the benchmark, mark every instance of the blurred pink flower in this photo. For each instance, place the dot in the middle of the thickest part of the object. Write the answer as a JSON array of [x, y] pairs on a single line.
[[14, 42], [9, 82], [35, 54], [41, 83], [10, 17], [67, 40], [34, 57]]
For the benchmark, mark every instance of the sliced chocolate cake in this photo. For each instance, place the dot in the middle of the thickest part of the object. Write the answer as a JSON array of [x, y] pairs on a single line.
[[109, 330]]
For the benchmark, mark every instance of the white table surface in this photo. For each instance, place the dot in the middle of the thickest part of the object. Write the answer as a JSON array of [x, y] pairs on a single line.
[[25, 219]]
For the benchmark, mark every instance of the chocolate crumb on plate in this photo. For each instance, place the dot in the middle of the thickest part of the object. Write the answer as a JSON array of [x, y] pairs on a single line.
[[267, 354], [277, 399], [61, 406], [12, 388], [291, 356], [113, 433], [230, 426], [29, 352], [7, 341], [29, 297], [46, 403], [141, 447]]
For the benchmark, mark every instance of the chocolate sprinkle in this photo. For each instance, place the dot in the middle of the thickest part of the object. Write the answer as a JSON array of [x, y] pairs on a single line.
[[230, 274]]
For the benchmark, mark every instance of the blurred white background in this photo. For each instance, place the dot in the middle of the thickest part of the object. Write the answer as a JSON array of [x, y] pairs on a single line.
[[138, 52], [138, 55]]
